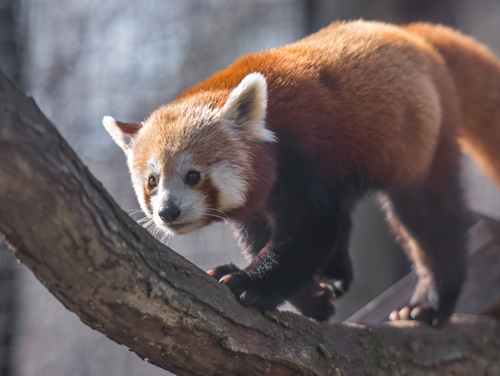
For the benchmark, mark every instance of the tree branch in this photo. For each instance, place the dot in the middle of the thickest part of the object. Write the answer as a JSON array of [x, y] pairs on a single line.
[[59, 221]]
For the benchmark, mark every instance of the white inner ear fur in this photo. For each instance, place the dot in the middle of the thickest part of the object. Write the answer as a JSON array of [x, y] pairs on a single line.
[[247, 105], [122, 139]]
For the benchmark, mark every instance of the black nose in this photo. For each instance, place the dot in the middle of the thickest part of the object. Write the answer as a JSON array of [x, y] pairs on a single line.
[[169, 212]]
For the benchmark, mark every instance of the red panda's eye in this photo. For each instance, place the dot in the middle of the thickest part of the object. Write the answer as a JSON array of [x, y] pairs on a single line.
[[152, 182], [192, 178]]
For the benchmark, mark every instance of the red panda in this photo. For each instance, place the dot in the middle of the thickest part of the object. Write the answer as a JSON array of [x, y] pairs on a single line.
[[286, 141]]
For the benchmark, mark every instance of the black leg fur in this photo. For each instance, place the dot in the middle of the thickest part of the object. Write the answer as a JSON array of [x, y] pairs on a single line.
[[300, 245], [333, 279], [338, 268], [254, 234], [315, 299]]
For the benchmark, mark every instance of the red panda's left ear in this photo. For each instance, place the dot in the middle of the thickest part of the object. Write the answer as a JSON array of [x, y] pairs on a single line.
[[247, 105], [123, 133]]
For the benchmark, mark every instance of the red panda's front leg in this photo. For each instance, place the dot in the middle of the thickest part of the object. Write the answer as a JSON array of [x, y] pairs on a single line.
[[253, 234], [302, 239]]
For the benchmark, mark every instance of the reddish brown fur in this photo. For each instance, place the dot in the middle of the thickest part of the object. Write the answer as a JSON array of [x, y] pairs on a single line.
[[129, 128], [476, 74], [319, 81], [147, 196], [323, 90], [210, 192]]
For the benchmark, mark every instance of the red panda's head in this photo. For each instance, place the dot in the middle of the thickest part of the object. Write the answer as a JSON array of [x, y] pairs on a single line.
[[191, 161]]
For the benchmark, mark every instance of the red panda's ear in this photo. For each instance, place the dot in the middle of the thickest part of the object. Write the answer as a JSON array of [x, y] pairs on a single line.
[[123, 133], [247, 105]]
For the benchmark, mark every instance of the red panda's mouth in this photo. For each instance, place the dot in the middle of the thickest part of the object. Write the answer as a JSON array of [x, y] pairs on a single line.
[[184, 227], [177, 226]]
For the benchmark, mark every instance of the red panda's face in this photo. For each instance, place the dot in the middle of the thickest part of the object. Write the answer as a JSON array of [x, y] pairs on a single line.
[[188, 173], [191, 161]]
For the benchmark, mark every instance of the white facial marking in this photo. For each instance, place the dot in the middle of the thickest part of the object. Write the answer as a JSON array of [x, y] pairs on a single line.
[[231, 185], [154, 168], [184, 163], [172, 188]]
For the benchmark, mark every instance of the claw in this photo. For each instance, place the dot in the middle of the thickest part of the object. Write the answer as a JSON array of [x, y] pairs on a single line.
[[212, 272], [247, 299], [394, 316]]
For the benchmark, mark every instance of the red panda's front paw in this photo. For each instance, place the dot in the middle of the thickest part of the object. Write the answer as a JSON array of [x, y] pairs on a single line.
[[246, 291], [315, 301], [222, 270], [239, 283]]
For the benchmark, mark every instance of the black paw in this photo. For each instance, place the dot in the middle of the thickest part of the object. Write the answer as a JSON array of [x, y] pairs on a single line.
[[222, 270], [316, 303], [248, 292], [339, 287]]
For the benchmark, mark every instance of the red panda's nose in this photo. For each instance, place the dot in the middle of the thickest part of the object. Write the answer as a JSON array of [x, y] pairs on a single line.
[[169, 212]]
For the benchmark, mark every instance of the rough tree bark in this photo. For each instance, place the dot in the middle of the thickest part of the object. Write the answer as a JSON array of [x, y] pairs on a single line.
[[59, 221]]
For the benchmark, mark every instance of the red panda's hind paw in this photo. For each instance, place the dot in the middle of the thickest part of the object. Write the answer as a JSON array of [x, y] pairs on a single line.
[[420, 312], [421, 309]]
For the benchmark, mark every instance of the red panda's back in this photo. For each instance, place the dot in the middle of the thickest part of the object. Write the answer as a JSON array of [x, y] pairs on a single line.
[[354, 95]]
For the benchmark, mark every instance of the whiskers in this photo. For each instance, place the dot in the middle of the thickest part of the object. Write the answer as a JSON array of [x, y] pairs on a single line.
[[165, 236], [216, 213], [159, 233], [150, 225], [132, 212], [225, 218]]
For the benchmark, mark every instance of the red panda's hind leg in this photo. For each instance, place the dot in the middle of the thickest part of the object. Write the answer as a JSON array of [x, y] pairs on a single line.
[[431, 225], [332, 281]]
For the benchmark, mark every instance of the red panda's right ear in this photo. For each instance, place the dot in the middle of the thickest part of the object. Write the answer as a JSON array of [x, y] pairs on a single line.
[[246, 107], [123, 133]]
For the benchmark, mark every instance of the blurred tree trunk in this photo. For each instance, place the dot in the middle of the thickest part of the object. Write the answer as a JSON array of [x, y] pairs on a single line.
[[9, 60], [320, 13], [436, 11], [60, 222]]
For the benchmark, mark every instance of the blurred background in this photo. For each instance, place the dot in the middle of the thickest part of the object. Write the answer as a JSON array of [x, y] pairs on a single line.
[[81, 60]]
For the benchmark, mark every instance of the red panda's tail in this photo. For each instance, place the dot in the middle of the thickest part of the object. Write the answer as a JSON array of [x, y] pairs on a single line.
[[476, 72]]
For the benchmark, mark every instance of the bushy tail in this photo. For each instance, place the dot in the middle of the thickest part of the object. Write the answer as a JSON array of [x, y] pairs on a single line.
[[476, 72]]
